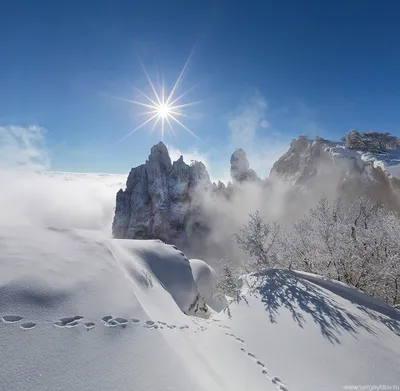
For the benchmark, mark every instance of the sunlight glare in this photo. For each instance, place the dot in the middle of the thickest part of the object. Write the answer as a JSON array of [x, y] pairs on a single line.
[[163, 108]]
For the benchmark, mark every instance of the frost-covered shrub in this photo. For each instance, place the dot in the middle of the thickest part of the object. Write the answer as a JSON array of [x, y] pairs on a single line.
[[371, 141], [356, 242]]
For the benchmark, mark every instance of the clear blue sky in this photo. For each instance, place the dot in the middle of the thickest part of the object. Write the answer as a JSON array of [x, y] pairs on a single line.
[[292, 66]]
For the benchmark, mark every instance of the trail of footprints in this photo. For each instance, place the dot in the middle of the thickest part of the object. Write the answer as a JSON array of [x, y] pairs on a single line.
[[110, 321], [280, 385], [15, 319]]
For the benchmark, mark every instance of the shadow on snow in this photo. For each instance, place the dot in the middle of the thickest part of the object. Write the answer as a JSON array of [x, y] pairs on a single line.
[[305, 295]]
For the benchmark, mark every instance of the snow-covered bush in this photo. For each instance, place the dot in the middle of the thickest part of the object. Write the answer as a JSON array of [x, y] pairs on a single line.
[[371, 141], [259, 240], [355, 242]]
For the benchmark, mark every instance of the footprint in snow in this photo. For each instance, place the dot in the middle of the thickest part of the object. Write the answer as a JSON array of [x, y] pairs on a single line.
[[280, 385], [109, 321], [106, 318], [135, 321], [89, 325], [121, 321], [235, 337], [28, 325], [72, 324], [11, 318], [150, 324], [70, 321]]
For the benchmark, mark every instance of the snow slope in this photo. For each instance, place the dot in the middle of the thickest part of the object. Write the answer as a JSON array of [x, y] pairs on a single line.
[[83, 312], [388, 161], [80, 311], [317, 334]]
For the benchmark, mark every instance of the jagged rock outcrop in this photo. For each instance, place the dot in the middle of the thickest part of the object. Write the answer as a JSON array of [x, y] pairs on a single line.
[[331, 167], [240, 168], [160, 198], [178, 203]]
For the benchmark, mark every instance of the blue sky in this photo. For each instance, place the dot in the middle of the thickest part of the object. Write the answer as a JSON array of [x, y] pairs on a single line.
[[265, 72]]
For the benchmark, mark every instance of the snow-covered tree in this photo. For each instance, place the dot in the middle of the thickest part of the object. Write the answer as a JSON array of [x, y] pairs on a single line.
[[259, 239], [355, 242], [371, 141]]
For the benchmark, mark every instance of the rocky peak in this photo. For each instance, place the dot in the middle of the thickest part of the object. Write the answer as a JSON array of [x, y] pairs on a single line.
[[334, 169], [157, 201], [159, 155], [240, 167]]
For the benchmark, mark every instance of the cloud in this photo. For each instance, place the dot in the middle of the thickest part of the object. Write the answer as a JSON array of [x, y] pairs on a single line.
[[31, 195], [250, 129], [188, 156], [194, 154], [23, 148], [247, 119]]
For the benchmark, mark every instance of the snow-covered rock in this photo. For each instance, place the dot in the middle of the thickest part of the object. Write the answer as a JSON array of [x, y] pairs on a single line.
[[160, 198], [240, 168], [163, 200], [206, 281], [329, 165]]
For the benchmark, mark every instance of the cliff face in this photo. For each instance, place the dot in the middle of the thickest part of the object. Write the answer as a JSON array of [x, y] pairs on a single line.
[[160, 198], [331, 167]]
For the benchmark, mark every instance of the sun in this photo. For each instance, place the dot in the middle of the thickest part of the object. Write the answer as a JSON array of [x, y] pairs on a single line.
[[163, 110]]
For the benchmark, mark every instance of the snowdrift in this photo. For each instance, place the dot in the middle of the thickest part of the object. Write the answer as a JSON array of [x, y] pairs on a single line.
[[80, 311], [318, 334]]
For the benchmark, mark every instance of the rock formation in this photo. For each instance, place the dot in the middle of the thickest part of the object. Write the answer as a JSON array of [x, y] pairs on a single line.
[[165, 200], [160, 198], [240, 168], [333, 169]]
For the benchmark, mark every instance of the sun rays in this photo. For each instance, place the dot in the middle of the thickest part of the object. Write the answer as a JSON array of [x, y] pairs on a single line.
[[161, 109]]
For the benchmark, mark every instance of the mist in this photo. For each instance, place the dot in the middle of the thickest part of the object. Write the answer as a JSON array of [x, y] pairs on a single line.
[[32, 195]]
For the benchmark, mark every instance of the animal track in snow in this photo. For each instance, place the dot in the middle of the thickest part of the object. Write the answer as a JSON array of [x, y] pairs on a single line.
[[135, 321], [28, 325], [235, 337], [280, 385], [11, 318]]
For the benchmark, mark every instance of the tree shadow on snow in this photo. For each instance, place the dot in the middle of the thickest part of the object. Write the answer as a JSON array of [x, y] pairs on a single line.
[[280, 288]]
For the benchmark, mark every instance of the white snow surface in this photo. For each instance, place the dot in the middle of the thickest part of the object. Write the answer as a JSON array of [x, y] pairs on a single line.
[[388, 161], [206, 281], [204, 276], [80, 311]]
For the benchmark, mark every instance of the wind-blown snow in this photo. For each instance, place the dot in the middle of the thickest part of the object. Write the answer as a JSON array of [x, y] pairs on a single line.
[[388, 161], [81, 311], [206, 281]]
